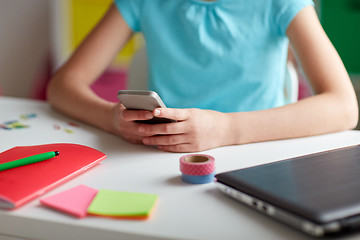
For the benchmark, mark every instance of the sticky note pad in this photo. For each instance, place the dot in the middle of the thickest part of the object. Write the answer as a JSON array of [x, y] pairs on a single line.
[[74, 201], [122, 204]]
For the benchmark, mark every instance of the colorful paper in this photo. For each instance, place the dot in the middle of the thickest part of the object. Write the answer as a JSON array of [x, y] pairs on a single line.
[[74, 201], [15, 124], [123, 204], [22, 184]]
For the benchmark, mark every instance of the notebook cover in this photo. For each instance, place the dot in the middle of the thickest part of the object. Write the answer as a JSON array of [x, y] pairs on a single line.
[[22, 184]]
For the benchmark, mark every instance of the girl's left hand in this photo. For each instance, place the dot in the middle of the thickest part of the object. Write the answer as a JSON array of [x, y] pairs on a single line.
[[194, 130]]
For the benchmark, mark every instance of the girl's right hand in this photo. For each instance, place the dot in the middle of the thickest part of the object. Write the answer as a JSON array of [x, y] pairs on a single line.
[[124, 123]]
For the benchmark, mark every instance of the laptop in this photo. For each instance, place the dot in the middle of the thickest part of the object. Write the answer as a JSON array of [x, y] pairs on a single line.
[[318, 194]]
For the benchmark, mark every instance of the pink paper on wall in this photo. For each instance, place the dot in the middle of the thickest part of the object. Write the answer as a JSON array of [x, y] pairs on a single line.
[[108, 84], [74, 201]]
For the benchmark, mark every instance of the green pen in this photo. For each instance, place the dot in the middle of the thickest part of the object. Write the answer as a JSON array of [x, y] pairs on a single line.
[[28, 160]]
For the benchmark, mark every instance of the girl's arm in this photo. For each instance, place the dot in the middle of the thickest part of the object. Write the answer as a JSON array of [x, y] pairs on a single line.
[[332, 108], [69, 90]]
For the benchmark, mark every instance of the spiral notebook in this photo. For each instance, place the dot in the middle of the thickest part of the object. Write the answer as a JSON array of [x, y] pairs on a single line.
[[22, 184]]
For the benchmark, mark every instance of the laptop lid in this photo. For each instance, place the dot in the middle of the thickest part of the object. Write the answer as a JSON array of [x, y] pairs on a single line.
[[322, 187]]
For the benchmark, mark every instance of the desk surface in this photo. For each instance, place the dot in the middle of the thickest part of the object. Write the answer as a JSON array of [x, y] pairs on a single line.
[[184, 211]]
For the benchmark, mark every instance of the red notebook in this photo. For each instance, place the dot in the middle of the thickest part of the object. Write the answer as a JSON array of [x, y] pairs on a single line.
[[22, 184]]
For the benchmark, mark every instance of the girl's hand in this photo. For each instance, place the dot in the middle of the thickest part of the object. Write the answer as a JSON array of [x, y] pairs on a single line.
[[195, 130], [124, 125]]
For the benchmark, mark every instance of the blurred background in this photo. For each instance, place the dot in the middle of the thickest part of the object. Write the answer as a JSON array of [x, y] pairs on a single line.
[[37, 36]]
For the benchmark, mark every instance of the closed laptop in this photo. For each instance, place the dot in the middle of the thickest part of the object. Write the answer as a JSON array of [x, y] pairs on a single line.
[[318, 194]]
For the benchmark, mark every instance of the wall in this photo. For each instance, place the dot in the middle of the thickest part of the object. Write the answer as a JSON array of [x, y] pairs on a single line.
[[24, 44], [341, 20]]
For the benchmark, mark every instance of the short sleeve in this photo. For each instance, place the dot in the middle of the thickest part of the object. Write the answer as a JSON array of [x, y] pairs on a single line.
[[284, 11], [130, 11]]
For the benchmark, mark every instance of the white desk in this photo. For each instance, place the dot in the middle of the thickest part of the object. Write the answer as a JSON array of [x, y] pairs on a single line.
[[184, 211]]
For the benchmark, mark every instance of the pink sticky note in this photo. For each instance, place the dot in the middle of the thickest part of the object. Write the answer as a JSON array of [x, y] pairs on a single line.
[[74, 201]]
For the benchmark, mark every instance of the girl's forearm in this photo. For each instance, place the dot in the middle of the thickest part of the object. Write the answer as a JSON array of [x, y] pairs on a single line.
[[319, 114], [80, 103]]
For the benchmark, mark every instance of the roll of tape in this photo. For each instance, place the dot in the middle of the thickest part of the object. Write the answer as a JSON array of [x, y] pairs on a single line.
[[200, 179], [197, 168]]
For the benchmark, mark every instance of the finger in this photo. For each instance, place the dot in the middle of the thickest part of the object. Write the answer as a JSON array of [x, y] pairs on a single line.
[[172, 113], [133, 139], [134, 115], [165, 140], [162, 129], [128, 132], [180, 148]]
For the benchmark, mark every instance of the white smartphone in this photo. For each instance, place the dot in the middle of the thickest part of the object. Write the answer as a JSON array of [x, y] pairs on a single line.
[[143, 100]]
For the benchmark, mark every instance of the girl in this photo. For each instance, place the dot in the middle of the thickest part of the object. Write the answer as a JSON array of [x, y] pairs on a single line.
[[219, 66]]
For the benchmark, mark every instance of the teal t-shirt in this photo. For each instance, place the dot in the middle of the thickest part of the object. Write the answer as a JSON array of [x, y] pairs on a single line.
[[224, 55]]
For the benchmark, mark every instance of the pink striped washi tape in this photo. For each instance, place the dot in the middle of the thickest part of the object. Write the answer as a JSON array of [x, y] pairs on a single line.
[[197, 168]]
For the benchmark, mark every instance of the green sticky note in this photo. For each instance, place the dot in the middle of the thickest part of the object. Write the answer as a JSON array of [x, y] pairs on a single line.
[[122, 204]]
